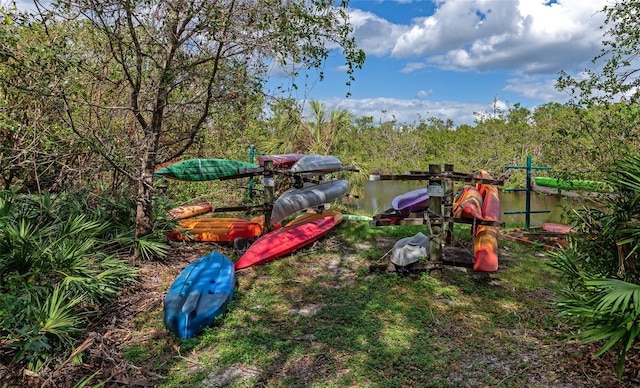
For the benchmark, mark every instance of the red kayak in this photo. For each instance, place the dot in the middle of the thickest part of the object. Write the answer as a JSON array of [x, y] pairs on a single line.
[[283, 241]]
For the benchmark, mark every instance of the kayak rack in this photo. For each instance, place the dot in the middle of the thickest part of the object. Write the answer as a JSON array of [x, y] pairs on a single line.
[[438, 217], [268, 173], [527, 210]]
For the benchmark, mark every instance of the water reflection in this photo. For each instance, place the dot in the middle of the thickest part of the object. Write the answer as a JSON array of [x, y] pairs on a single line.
[[378, 195]]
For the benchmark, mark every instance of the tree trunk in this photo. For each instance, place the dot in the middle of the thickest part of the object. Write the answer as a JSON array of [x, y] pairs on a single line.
[[144, 204]]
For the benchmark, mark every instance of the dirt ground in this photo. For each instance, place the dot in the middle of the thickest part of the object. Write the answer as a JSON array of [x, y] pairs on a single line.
[[115, 330]]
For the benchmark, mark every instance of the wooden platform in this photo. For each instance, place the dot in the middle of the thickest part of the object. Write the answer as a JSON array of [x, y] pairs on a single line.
[[549, 241]]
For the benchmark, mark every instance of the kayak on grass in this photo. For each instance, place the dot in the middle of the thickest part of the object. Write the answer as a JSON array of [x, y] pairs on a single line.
[[198, 295], [286, 240]]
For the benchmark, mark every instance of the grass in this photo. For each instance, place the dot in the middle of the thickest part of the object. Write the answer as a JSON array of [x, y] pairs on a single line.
[[320, 318]]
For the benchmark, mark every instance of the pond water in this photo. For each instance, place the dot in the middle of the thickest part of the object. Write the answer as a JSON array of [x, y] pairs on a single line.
[[378, 195]]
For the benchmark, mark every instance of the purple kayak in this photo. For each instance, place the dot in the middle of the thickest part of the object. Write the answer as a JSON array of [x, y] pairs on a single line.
[[411, 201]]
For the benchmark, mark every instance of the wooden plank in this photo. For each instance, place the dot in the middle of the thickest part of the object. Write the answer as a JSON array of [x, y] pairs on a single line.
[[526, 241], [425, 176], [315, 172], [238, 208]]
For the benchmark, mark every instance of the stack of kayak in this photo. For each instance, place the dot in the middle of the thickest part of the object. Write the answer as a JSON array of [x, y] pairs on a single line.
[[481, 202], [204, 288]]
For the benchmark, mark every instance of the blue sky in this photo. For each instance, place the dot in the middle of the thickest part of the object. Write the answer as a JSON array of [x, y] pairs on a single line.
[[451, 58]]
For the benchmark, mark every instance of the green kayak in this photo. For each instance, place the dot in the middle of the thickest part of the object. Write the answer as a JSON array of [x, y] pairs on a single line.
[[572, 184], [203, 169]]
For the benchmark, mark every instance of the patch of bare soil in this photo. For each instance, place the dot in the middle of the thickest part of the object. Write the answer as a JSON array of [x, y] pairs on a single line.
[[115, 329]]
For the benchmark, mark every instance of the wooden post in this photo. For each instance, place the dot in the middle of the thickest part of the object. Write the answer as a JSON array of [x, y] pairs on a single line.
[[447, 204], [269, 184], [434, 189]]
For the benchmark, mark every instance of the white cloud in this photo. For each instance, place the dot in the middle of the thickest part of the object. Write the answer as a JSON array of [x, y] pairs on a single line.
[[413, 66], [375, 35], [424, 93], [538, 88], [410, 111], [484, 35]]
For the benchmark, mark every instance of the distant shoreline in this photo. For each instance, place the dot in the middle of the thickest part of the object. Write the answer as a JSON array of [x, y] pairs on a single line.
[[564, 193]]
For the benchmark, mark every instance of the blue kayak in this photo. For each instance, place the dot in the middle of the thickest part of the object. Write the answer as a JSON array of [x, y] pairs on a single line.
[[199, 294]]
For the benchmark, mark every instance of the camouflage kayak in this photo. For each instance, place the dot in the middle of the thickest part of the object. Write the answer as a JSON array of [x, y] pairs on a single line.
[[203, 169]]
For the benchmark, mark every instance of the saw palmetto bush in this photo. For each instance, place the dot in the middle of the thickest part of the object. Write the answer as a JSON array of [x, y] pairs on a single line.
[[57, 266], [601, 297]]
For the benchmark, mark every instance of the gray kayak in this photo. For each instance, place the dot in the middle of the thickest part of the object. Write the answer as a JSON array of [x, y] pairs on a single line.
[[310, 195], [315, 162], [410, 250]]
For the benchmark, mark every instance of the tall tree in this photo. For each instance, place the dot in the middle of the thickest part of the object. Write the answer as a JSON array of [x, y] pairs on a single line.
[[140, 79], [324, 132], [606, 100]]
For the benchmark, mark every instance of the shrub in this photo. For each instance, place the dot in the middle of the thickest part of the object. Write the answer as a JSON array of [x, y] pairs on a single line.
[[601, 296], [58, 262]]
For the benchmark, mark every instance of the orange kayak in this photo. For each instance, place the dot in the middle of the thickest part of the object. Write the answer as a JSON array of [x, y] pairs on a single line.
[[216, 229], [485, 249], [186, 211], [485, 239], [468, 203]]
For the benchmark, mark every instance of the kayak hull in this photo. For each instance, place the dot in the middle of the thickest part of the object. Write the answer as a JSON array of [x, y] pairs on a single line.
[[410, 250], [315, 162], [203, 169], [411, 201], [557, 228], [572, 184], [216, 229], [199, 294], [312, 216], [187, 211], [485, 239], [280, 161], [468, 203], [286, 240], [309, 196]]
